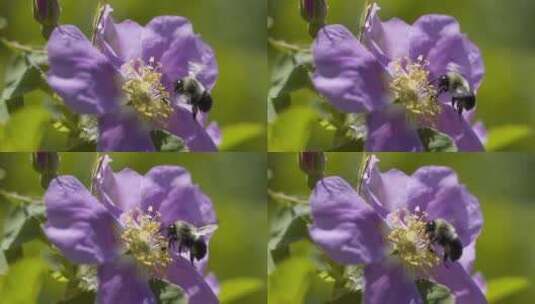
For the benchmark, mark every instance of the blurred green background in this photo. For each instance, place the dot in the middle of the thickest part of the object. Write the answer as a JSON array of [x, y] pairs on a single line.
[[502, 182], [506, 99], [235, 29], [235, 182]]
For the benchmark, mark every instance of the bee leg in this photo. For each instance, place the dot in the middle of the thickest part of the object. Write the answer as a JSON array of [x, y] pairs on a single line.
[[192, 259]]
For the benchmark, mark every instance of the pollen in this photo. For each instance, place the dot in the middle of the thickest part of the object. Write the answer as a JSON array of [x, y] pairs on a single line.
[[145, 92], [410, 242], [143, 240], [412, 89]]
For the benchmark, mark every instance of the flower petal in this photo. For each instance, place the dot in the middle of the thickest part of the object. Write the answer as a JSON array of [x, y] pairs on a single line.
[[428, 30], [455, 277], [389, 191], [195, 135], [183, 274], [457, 53], [160, 33], [122, 189], [436, 177], [214, 132], [188, 203], [459, 130], [460, 208], [123, 132], [389, 284], [347, 74], [120, 42], [389, 131], [80, 74], [468, 257], [189, 55], [78, 224], [159, 182], [480, 281], [344, 225], [386, 40], [120, 282], [481, 132]]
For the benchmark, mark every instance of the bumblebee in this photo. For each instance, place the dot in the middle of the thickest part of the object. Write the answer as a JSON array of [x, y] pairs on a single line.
[[443, 233], [199, 98], [462, 96], [190, 238]]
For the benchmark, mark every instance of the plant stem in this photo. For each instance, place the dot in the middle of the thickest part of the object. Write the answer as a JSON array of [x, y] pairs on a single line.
[[362, 169], [363, 17], [19, 197], [283, 197], [20, 47], [286, 47]]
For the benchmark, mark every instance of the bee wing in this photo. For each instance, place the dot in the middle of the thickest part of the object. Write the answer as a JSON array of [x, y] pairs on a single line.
[[206, 230]]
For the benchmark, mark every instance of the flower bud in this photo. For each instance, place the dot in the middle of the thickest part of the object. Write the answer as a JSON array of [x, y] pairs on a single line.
[[313, 11], [312, 163], [45, 162], [46, 12]]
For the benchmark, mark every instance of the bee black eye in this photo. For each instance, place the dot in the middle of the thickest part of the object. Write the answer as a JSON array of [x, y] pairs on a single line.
[[430, 226], [443, 82], [179, 86]]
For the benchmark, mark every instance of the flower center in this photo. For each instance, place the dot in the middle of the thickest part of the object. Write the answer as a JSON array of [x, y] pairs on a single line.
[[412, 89], [143, 240], [410, 242], [145, 92]]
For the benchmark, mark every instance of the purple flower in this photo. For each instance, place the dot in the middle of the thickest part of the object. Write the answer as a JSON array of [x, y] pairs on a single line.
[[384, 228], [127, 79], [392, 74], [119, 229]]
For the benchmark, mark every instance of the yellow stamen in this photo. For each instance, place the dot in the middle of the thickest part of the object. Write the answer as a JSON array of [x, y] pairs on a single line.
[[142, 239], [411, 244], [145, 92], [412, 89]]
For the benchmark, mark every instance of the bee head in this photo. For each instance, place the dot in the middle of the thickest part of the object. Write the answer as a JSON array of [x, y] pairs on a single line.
[[443, 83], [430, 226], [171, 229], [179, 86]]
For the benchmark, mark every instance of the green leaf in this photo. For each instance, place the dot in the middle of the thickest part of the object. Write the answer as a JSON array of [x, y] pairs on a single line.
[[435, 141], [167, 293], [23, 75], [235, 289], [23, 282], [290, 282], [167, 142], [21, 225], [291, 131], [503, 136], [502, 288], [237, 134], [3, 23], [13, 224], [291, 226], [290, 73], [4, 267], [434, 293], [24, 130]]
